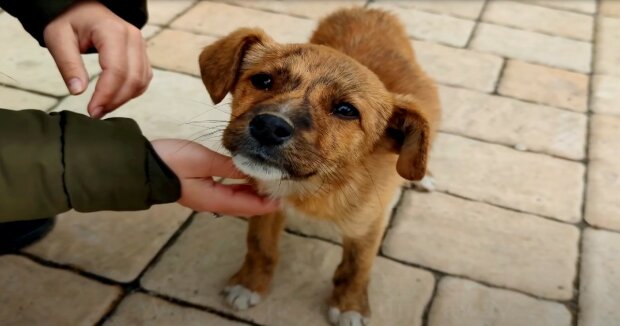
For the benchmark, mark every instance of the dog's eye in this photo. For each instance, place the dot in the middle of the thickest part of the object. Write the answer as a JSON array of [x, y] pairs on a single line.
[[346, 111], [261, 81]]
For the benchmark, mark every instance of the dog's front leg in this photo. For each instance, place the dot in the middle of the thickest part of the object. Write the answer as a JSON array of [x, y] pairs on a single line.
[[252, 281], [349, 301]]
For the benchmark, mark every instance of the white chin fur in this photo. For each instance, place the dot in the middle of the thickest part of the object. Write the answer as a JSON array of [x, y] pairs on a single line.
[[258, 170]]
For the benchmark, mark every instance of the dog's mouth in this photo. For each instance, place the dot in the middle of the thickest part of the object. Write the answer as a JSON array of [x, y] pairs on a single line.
[[259, 167], [263, 167]]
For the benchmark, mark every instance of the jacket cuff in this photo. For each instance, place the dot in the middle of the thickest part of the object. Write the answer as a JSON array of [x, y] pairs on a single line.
[[109, 165], [165, 186], [35, 15]]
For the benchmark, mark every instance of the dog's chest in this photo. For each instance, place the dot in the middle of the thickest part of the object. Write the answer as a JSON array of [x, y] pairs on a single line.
[[318, 226]]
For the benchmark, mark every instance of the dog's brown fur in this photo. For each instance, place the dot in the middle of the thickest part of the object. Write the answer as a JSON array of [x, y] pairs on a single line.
[[343, 171]]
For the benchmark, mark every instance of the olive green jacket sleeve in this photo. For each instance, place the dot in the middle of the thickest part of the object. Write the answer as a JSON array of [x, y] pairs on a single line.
[[50, 163], [36, 14]]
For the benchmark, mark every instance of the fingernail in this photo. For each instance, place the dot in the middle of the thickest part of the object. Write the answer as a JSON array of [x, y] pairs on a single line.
[[75, 86], [97, 112]]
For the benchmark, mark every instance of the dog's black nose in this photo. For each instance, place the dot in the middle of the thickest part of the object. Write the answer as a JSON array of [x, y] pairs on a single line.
[[270, 130]]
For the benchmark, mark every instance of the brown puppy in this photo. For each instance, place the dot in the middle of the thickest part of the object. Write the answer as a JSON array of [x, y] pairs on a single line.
[[325, 126]]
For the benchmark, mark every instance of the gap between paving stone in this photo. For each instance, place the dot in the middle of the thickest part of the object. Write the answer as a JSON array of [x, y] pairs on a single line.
[[486, 141], [188, 304], [495, 34], [92, 275], [187, 289], [445, 29], [29, 304], [429, 10], [426, 219], [438, 274], [142, 309], [475, 31], [461, 302], [548, 4], [135, 284], [499, 120], [498, 7], [576, 308]]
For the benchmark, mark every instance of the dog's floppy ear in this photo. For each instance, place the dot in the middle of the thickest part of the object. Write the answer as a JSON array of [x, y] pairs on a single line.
[[410, 129], [220, 62]]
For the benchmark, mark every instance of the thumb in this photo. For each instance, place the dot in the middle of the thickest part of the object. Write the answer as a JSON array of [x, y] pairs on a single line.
[[64, 48]]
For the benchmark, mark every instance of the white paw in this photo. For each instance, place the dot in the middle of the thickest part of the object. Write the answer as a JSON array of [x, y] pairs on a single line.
[[427, 184], [239, 297], [347, 318]]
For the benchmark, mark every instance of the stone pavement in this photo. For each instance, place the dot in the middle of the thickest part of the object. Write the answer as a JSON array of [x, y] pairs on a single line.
[[524, 228]]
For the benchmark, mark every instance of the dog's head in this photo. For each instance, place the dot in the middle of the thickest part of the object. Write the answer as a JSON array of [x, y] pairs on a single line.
[[302, 110]]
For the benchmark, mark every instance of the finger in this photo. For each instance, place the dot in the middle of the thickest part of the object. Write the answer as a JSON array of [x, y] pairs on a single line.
[[149, 70], [112, 48], [220, 165], [198, 161], [64, 47], [206, 195], [137, 70]]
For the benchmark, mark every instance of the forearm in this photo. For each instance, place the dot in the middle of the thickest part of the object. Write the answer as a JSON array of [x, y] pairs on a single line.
[[52, 163]]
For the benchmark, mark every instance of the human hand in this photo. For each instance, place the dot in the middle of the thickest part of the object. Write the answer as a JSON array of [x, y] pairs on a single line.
[[195, 165], [126, 71]]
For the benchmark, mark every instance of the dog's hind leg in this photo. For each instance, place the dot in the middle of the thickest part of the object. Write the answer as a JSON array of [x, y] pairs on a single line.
[[246, 288]]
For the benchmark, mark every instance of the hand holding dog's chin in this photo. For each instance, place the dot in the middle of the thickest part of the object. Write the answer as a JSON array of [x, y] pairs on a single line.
[[125, 68], [195, 166]]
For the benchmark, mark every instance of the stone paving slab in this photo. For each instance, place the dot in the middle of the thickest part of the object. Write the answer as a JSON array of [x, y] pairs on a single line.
[[174, 106], [21, 53], [545, 85], [547, 48], [162, 12], [606, 94], [583, 6], [485, 243], [607, 52], [115, 245], [216, 19], [528, 182], [16, 99], [149, 31], [431, 27], [459, 67], [198, 265], [142, 309], [600, 282], [178, 50], [36, 295], [461, 302], [470, 9], [610, 8], [534, 47], [539, 19], [314, 9], [603, 206], [512, 122]]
